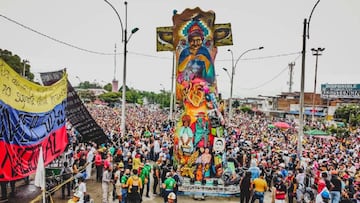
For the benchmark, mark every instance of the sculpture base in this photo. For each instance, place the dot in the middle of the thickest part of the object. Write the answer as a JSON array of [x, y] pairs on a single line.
[[212, 187]]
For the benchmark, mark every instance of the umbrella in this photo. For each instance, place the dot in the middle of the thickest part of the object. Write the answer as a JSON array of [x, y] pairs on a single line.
[[328, 137], [340, 124], [316, 132], [271, 126], [319, 134], [282, 125]]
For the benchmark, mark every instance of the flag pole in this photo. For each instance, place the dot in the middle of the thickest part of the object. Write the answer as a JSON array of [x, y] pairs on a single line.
[[44, 176]]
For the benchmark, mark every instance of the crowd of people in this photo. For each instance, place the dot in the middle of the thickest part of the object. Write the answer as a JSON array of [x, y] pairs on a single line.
[[326, 171], [124, 166], [266, 159], [268, 155]]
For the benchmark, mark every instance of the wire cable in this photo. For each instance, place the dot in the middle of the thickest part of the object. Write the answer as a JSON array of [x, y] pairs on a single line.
[[264, 57], [272, 79], [53, 39], [132, 53]]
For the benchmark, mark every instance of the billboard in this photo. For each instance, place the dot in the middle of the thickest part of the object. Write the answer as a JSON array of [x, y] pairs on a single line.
[[345, 91]]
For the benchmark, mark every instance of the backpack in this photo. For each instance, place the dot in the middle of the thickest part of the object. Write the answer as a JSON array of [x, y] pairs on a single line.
[[178, 180]]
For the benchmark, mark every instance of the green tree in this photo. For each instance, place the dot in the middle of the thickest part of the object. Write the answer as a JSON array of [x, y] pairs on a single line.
[[235, 104], [111, 97], [16, 63], [86, 95], [246, 109], [349, 114], [89, 85], [108, 87], [132, 95]]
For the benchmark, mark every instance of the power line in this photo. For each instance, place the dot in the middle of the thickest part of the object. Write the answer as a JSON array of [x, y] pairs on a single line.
[[53, 39], [150, 56], [272, 79], [264, 57], [134, 53]]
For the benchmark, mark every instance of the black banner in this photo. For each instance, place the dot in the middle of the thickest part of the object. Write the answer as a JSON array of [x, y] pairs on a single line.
[[76, 112]]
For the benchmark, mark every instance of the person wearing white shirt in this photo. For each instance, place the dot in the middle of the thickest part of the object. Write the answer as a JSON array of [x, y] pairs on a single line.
[[157, 148], [81, 190], [106, 180], [89, 159]]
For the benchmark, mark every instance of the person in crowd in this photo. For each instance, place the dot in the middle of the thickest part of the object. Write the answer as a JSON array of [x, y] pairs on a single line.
[[178, 180], [335, 191], [260, 187], [66, 174], [124, 186], [245, 188], [98, 165], [168, 186], [254, 169], [82, 190], [156, 175], [117, 180], [145, 177], [171, 198], [300, 180], [279, 191], [90, 159], [106, 183], [291, 185], [134, 186], [4, 194]]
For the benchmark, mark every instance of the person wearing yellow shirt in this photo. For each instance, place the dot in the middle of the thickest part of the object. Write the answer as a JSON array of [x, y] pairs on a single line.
[[260, 186], [137, 161]]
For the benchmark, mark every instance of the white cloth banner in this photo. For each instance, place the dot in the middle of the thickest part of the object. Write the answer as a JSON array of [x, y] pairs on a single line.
[[40, 171]]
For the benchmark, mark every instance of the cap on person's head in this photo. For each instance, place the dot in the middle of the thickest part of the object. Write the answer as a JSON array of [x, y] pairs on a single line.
[[171, 195], [168, 174], [282, 165], [325, 195], [121, 165]]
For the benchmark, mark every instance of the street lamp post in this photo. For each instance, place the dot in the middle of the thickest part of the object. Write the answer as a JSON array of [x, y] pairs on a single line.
[[233, 67], [302, 84], [316, 52], [125, 39]]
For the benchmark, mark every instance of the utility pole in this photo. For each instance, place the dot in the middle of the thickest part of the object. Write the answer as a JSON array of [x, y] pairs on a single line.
[[291, 69], [302, 84], [316, 52], [125, 40], [172, 99]]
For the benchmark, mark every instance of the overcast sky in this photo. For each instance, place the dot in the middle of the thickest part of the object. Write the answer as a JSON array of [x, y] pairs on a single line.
[[275, 24]]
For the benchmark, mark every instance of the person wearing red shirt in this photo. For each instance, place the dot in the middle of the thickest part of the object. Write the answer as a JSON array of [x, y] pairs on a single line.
[[322, 181], [99, 166]]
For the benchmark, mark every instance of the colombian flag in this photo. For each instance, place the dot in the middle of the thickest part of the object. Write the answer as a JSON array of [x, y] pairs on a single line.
[[31, 117]]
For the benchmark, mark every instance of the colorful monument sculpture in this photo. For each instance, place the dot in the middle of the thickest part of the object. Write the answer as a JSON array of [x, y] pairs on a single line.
[[199, 142]]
